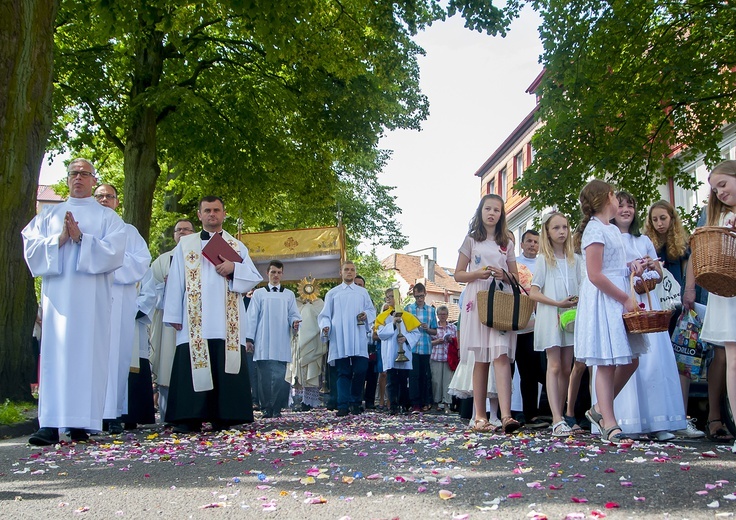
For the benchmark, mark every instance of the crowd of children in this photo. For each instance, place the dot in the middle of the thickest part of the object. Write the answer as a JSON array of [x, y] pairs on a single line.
[[583, 285]]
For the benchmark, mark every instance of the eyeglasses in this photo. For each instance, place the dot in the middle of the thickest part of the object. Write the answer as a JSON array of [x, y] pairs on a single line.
[[108, 196], [184, 230], [84, 174], [420, 296]]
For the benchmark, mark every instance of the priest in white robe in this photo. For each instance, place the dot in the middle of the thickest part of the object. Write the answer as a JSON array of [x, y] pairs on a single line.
[[272, 319], [204, 303], [124, 309], [308, 354], [163, 339], [347, 319], [75, 247]]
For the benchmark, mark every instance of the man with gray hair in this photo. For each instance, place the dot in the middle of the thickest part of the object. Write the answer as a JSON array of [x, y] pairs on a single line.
[[75, 247]]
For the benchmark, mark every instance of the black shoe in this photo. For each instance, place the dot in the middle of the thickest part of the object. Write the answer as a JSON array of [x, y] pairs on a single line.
[[304, 407], [266, 415], [114, 427], [44, 437], [78, 435], [520, 418], [356, 410], [394, 410], [342, 412]]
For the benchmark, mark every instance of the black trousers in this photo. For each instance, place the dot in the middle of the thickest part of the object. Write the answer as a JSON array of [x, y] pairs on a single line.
[[530, 365], [420, 380]]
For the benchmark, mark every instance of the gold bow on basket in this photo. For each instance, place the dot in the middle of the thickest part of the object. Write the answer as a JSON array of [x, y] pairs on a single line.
[[643, 321]]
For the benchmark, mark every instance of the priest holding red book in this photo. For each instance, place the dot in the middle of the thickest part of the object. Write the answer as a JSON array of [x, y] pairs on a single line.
[[208, 277]]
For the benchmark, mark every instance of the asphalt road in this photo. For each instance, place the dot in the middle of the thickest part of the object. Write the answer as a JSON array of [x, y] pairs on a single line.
[[313, 465]]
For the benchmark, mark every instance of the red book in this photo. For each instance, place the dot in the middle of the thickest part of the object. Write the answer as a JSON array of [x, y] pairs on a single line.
[[216, 247]]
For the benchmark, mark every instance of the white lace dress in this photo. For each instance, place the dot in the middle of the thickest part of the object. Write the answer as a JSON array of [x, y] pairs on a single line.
[[600, 335]]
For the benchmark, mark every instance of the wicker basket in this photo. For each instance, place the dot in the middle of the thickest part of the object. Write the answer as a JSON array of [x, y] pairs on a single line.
[[714, 259], [643, 321], [650, 283], [510, 311]]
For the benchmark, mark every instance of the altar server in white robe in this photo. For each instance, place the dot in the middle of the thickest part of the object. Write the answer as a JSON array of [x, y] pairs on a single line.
[[124, 309], [163, 339], [75, 247], [347, 319], [204, 303], [138, 405], [397, 332], [272, 316]]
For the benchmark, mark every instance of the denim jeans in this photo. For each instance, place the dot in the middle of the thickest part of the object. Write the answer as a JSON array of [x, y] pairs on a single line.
[[350, 381]]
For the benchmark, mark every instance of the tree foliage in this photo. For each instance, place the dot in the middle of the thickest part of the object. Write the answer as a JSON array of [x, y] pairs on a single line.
[[275, 106], [627, 84]]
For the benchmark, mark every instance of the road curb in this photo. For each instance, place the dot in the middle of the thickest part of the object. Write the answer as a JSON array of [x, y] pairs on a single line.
[[21, 429]]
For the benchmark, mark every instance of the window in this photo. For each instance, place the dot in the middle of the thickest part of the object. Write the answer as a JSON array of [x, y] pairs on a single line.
[[502, 180], [529, 153], [518, 165], [491, 187]]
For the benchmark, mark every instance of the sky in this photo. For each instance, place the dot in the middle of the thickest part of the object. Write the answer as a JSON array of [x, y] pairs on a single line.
[[476, 85]]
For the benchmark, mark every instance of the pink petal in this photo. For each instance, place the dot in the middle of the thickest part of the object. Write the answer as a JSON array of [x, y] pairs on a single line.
[[579, 500], [612, 505], [515, 495]]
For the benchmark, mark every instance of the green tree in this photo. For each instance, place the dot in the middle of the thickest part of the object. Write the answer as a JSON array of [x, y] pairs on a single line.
[[625, 85], [26, 59], [276, 106]]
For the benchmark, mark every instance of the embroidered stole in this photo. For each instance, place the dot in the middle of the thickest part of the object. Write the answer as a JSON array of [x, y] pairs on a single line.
[[198, 347]]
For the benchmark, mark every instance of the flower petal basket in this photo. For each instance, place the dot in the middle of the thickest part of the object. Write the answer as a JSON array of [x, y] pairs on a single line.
[[644, 286], [714, 259], [643, 321]]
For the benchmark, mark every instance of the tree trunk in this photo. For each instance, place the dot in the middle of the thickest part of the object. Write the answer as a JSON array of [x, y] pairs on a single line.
[[140, 158], [26, 66], [141, 171]]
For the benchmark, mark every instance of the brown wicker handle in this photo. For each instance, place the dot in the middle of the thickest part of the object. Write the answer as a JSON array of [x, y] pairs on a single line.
[[633, 292]]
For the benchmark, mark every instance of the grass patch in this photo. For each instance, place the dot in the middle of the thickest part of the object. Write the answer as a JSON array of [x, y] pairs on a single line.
[[12, 413]]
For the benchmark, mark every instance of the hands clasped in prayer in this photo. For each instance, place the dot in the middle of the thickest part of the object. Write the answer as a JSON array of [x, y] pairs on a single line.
[[71, 230]]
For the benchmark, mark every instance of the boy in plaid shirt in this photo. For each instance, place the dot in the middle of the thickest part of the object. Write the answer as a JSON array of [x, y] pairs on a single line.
[[420, 378]]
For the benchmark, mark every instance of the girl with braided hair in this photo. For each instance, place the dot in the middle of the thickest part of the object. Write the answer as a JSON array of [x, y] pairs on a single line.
[[601, 339]]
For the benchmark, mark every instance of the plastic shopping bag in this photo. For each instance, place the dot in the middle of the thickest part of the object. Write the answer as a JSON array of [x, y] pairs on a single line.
[[690, 352]]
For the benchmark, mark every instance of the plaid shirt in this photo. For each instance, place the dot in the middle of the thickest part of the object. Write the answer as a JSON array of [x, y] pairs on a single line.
[[439, 351], [426, 315]]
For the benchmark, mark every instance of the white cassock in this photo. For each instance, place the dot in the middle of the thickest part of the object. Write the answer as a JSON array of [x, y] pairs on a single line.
[[163, 339], [214, 289], [309, 351], [76, 301], [270, 318], [388, 334], [146, 305], [122, 324], [343, 303]]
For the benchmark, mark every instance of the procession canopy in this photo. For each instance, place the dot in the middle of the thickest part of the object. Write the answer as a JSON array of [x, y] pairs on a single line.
[[313, 252]]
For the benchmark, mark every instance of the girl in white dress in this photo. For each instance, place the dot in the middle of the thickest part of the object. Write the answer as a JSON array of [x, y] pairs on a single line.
[[601, 339], [719, 325], [557, 274], [486, 252], [650, 402]]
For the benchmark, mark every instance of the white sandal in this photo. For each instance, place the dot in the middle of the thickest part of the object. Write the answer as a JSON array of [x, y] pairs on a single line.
[[561, 429]]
